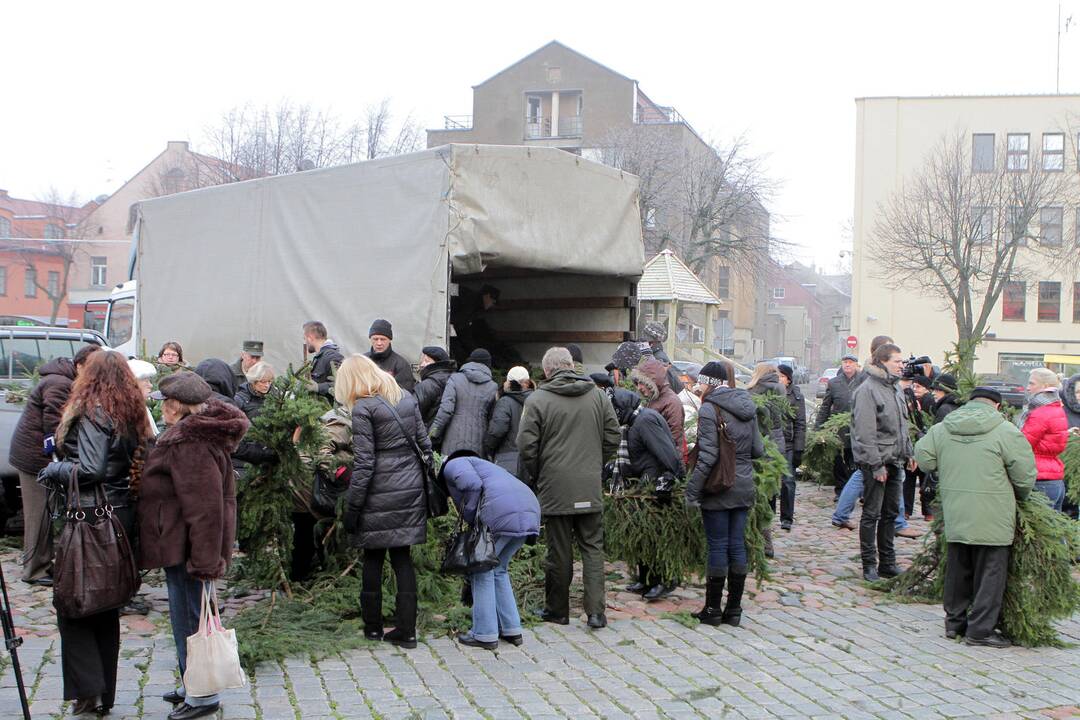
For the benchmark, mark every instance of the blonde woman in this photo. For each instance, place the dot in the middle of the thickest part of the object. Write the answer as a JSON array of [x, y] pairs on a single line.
[[385, 508], [1044, 424]]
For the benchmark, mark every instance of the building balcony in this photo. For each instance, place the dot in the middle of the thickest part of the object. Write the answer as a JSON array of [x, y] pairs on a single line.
[[457, 122], [538, 127]]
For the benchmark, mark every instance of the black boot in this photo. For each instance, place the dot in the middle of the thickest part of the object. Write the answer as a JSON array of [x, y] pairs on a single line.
[[404, 634], [766, 533], [371, 612], [642, 583], [733, 609], [711, 614]]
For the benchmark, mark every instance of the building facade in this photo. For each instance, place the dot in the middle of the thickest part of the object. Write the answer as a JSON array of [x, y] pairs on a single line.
[[558, 97], [1035, 322]]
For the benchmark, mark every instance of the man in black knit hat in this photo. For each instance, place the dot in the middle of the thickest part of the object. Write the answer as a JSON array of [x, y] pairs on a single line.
[[382, 353]]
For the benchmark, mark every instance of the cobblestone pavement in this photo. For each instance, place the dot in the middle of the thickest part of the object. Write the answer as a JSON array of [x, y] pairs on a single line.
[[814, 643]]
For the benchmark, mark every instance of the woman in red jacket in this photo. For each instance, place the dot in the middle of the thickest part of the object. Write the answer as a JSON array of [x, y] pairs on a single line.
[[1044, 424]]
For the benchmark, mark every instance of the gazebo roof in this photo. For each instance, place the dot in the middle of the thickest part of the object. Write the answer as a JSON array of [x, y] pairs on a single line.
[[666, 277]]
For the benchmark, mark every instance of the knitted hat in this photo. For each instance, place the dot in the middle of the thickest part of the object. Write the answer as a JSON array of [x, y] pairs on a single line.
[[381, 327], [987, 393], [922, 380], [575, 352], [713, 374], [627, 355], [436, 353], [655, 331], [183, 386], [945, 382], [480, 355], [517, 374], [787, 372]]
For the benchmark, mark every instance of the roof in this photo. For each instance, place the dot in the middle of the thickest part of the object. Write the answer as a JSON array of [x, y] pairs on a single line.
[[557, 44], [977, 96], [20, 207], [666, 277]]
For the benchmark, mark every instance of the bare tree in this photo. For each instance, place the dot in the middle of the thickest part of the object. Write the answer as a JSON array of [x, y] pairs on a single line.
[[380, 138], [962, 233], [64, 239], [651, 153]]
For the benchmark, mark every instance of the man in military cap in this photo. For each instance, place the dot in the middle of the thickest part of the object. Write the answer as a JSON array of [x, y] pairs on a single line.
[[250, 354]]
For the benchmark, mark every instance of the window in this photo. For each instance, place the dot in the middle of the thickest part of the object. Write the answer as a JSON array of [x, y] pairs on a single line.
[[53, 284], [778, 293], [53, 232], [1076, 302], [1050, 222], [5, 227], [1017, 151], [650, 217], [1053, 151], [982, 152], [1049, 302], [97, 271], [580, 103], [3, 280], [1014, 300], [30, 282], [533, 112], [982, 225], [1018, 226], [121, 321], [723, 282]]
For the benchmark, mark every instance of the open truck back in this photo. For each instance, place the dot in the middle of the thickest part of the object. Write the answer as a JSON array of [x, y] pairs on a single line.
[[558, 235]]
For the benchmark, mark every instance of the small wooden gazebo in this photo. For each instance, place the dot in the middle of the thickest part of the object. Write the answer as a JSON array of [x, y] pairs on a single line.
[[671, 293]]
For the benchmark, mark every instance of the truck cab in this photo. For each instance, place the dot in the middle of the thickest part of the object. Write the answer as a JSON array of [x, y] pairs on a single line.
[[120, 318]]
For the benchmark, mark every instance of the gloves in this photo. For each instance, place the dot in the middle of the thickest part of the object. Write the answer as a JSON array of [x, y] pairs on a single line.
[[796, 458], [351, 521], [311, 386], [56, 475], [881, 474]]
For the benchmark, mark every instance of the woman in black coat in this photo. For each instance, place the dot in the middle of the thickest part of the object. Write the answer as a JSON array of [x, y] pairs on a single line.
[[500, 443], [385, 508], [725, 514], [103, 428]]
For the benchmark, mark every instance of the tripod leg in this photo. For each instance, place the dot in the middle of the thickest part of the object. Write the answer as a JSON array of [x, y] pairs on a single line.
[[12, 642]]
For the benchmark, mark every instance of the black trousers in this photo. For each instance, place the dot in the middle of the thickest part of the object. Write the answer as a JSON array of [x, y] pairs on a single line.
[[560, 531], [305, 548], [89, 650], [400, 561], [881, 505], [974, 588], [926, 492], [843, 467]]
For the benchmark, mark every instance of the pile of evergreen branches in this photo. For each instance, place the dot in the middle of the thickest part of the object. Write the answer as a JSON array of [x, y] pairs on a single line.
[[769, 470], [823, 444], [1071, 458], [667, 537]]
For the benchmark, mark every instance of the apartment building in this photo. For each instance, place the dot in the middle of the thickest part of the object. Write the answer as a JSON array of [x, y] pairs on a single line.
[[1036, 322], [558, 97]]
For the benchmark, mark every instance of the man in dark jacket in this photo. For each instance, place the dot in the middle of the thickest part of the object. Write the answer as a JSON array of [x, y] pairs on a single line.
[[382, 352], [944, 393], [794, 443], [882, 449], [568, 430], [465, 409], [436, 367], [38, 421], [326, 357], [838, 400], [251, 353]]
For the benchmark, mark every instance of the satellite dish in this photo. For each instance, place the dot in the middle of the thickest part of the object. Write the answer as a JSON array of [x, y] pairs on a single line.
[[306, 164]]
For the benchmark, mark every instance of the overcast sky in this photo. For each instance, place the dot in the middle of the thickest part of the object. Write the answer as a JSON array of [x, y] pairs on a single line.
[[94, 90]]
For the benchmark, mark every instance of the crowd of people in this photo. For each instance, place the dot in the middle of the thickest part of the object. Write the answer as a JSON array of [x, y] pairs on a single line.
[[517, 454]]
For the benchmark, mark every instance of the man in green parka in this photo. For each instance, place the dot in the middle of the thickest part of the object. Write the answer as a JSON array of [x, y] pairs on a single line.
[[568, 430], [984, 465]]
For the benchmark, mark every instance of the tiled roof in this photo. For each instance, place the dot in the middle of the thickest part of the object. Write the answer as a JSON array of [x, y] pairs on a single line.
[[666, 277]]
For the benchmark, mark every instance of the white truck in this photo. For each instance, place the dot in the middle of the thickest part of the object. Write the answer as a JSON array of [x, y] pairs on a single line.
[[397, 238]]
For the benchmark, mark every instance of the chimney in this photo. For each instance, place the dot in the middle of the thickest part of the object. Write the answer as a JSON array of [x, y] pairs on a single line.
[[177, 145]]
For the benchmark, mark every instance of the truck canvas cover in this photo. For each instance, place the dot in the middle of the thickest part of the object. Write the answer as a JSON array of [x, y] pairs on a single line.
[[378, 239]]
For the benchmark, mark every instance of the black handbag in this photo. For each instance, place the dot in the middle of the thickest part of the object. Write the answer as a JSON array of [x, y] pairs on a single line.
[[471, 550], [325, 493], [436, 496]]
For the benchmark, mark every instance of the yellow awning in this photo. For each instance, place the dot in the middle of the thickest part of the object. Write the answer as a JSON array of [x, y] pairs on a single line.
[[1063, 359]]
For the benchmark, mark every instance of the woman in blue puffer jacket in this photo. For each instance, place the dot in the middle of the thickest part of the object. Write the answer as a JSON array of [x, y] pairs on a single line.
[[510, 510]]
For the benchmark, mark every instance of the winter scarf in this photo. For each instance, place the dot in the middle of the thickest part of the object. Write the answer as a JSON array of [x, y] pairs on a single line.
[[1039, 399]]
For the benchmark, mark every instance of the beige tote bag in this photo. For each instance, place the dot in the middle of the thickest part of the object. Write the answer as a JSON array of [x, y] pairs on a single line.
[[213, 661]]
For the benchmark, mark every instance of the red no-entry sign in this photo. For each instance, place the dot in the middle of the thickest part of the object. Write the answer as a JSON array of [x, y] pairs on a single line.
[[852, 342]]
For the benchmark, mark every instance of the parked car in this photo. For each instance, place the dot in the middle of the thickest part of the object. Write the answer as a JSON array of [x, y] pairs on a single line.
[[22, 350], [1012, 392], [823, 381]]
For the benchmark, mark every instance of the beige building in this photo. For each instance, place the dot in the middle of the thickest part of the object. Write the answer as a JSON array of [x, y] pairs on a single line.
[[1036, 322], [558, 97]]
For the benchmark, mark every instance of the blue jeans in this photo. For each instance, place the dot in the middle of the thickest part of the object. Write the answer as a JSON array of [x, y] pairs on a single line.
[[185, 602], [1053, 489], [494, 610], [853, 490], [725, 537]]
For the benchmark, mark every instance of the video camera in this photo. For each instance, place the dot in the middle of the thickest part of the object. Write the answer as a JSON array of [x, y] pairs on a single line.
[[913, 366]]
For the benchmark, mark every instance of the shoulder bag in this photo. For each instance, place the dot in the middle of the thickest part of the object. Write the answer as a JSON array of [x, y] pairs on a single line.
[[470, 550], [722, 474], [436, 496], [95, 568]]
